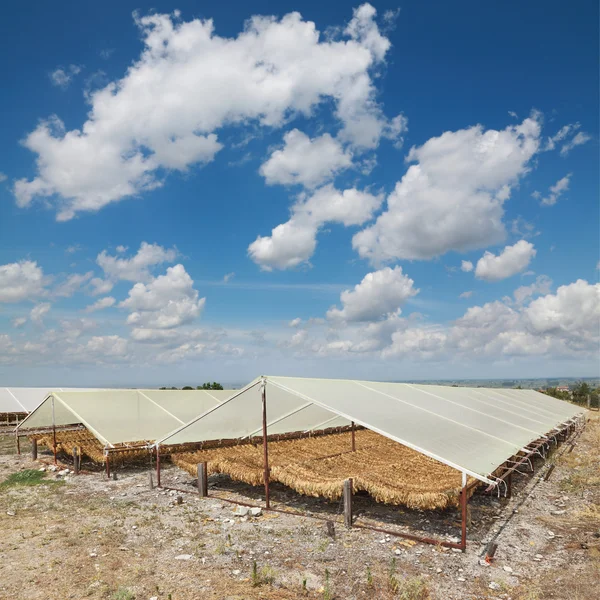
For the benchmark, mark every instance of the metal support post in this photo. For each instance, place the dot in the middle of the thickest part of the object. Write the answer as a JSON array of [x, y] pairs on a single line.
[[265, 443]]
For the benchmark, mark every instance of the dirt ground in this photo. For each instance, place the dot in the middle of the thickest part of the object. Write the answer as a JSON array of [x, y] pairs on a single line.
[[88, 537]]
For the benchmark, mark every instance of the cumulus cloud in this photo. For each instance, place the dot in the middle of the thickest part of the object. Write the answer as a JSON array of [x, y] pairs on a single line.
[[62, 76], [38, 312], [452, 197], [541, 285], [295, 322], [293, 242], [304, 161], [512, 260], [379, 294], [556, 190], [166, 302], [272, 71], [466, 294], [136, 268], [72, 284], [578, 140], [100, 304], [466, 266], [18, 322], [21, 281]]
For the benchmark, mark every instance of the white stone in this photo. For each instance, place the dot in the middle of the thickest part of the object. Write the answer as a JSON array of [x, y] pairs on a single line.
[[460, 579], [241, 511], [397, 552], [10, 513], [255, 512], [507, 569], [236, 572], [184, 557], [438, 570], [494, 586], [93, 554], [540, 556]]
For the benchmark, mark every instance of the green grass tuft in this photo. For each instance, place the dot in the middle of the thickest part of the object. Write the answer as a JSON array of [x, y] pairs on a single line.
[[27, 477]]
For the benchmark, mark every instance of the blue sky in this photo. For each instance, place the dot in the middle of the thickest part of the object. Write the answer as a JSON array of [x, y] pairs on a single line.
[[388, 191]]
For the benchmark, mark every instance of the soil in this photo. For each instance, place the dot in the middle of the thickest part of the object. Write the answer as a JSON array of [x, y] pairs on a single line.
[[87, 536]]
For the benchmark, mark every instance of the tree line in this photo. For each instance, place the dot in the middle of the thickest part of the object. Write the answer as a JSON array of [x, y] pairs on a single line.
[[205, 386], [579, 394]]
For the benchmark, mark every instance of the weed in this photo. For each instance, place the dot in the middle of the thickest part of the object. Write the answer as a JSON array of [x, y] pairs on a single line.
[[369, 577], [413, 588], [123, 594], [266, 575], [26, 478], [327, 593], [392, 579]]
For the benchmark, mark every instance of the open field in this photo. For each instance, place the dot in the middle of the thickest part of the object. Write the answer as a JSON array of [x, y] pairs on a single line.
[[119, 540]]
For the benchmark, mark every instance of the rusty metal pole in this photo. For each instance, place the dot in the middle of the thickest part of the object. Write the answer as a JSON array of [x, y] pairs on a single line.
[[107, 466], [265, 443], [353, 439], [157, 467], [18, 442], [463, 510], [53, 432]]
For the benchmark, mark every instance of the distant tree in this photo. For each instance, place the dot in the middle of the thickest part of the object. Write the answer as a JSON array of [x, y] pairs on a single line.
[[552, 391], [581, 392], [519, 387], [187, 387], [210, 386]]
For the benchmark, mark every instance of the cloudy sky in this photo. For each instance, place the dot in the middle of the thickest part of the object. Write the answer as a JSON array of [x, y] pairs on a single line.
[[387, 191]]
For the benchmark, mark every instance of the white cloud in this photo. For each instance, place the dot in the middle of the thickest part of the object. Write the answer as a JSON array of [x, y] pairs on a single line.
[[295, 322], [62, 76], [100, 286], [452, 198], [166, 302], [466, 266], [512, 260], [556, 190], [293, 243], [379, 294], [121, 249], [136, 268], [466, 295], [305, 161], [3, 177], [100, 304], [573, 311], [21, 281], [274, 70], [541, 285], [18, 322], [228, 277], [38, 312], [578, 140], [71, 284]]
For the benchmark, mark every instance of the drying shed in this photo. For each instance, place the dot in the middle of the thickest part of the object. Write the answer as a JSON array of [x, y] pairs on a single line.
[[105, 422], [17, 402], [424, 446]]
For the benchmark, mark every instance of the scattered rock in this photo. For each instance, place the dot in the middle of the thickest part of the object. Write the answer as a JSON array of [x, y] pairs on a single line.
[[241, 511], [10, 513], [93, 554], [438, 570], [397, 551], [255, 512], [235, 572], [507, 569], [557, 513], [460, 579], [42, 469], [494, 586], [184, 557]]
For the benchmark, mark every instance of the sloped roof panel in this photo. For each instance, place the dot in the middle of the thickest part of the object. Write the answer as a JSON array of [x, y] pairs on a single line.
[[471, 429]]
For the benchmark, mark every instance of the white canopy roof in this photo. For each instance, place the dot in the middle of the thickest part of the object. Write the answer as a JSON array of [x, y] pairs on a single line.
[[474, 430], [122, 416], [26, 399]]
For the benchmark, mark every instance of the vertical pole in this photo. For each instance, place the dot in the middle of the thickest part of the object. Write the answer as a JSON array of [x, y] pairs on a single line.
[[34, 449], [589, 401], [509, 485], [53, 432], [463, 509], [107, 466], [150, 482], [157, 466], [203, 479], [348, 503], [75, 461], [353, 439], [18, 442], [265, 445]]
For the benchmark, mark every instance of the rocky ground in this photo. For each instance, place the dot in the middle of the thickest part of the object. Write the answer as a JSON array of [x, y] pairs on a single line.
[[84, 536]]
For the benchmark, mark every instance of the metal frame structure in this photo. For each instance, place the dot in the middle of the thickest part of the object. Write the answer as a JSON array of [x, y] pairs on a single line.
[[495, 481]]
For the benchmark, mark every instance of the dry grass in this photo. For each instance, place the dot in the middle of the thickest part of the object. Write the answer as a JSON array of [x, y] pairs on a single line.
[[318, 466]]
